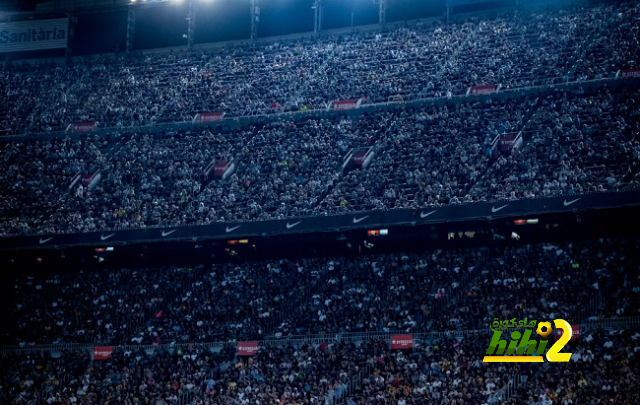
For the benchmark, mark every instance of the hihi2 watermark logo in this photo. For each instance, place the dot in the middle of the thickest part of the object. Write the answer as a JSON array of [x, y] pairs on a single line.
[[522, 348]]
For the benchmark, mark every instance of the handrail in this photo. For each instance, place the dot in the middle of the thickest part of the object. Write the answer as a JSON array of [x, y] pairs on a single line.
[[508, 389], [603, 323]]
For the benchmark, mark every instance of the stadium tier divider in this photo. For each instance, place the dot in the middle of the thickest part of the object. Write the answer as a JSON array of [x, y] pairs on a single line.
[[418, 337]]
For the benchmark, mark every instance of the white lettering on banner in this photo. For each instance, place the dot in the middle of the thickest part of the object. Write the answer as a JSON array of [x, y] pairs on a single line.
[[247, 348], [33, 35], [630, 72], [401, 341], [211, 117], [84, 126], [345, 106], [485, 89], [102, 353]]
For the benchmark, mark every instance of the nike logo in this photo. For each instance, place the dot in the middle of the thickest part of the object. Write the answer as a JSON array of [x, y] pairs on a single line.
[[427, 214], [167, 233], [103, 238], [43, 241], [356, 220], [233, 229], [289, 226], [568, 203], [494, 209]]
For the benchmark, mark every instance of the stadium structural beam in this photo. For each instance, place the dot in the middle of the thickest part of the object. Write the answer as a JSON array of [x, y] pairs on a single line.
[[72, 33], [382, 14], [131, 28], [191, 28], [255, 20], [318, 15]]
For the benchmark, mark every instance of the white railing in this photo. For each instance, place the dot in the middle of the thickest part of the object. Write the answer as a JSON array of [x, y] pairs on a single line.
[[508, 390]]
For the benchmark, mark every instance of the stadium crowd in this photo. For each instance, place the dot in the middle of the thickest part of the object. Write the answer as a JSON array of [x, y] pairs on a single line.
[[438, 152], [534, 47], [604, 366], [175, 311], [574, 142], [35, 172], [394, 292]]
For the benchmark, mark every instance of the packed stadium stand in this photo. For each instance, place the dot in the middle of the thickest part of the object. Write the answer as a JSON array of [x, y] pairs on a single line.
[[391, 292], [414, 61], [173, 314], [573, 143], [424, 154], [539, 106]]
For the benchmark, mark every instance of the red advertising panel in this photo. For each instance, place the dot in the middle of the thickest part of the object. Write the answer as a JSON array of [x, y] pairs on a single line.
[[347, 104], [635, 72], [401, 341], [359, 157], [86, 179], [344, 104], [211, 117], [247, 348], [484, 89], [220, 168], [102, 353], [574, 335], [506, 142], [84, 126]]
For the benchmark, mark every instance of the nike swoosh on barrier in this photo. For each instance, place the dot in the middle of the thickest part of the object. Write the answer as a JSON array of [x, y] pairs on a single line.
[[232, 229], [568, 203], [494, 209], [427, 214], [289, 226], [43, 241], [356, 220], [103, 238], [167, 233]]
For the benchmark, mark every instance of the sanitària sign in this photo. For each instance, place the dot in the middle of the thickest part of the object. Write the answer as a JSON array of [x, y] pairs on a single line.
[[523, 348], [34, 35]]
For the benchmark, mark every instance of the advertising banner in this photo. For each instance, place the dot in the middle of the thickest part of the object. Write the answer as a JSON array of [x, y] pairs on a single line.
[[485, 89], [33, 35], [574, 335], [85, 179], [84, 126], [507, 142], [220, 168], [360, 155], [247, 348], [401, 341], [367, 220], [209, 117], [102, 352], [347, 104], [630, 72]]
